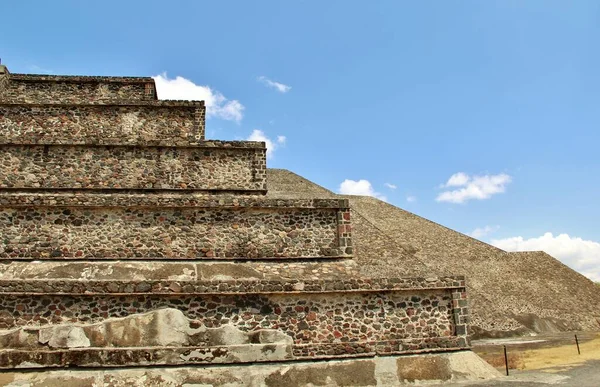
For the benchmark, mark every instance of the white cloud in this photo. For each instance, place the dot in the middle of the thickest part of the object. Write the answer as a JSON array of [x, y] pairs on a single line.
[[360, 187], [457, 180], [39, 70], [579, 254], [280, 87], [259, 135], [391, 186], [473, 187], [216, 104], [480, 232], [411, 198]]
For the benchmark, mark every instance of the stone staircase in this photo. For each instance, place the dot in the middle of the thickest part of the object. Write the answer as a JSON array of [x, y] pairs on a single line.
[[128, 239]]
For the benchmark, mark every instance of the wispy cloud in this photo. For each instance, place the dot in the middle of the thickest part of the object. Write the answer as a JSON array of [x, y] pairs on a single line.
[[411, 198], [39, 70], [473, 187], [390, 185], [280, 87], [259, 135], [577, 253], [359, 187], [481, 232], [216, 104]]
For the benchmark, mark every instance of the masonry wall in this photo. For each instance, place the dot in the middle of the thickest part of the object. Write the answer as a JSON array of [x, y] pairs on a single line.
[[318, 325], [51, 89], [122, 167], [142, 123], [169, 233]]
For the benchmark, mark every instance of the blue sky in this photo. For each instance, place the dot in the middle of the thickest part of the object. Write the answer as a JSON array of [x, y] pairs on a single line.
[[502, 95]]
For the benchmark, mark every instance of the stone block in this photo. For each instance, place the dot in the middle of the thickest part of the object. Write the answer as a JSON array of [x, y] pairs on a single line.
[[168, 233], [207, 167], [164, 123], [56, 89]]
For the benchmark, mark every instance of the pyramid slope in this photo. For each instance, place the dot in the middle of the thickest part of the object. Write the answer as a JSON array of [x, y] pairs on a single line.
[[510, 293]]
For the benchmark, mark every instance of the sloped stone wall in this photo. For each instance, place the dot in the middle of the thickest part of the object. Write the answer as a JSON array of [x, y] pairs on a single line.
[[164, 123], [174, 233], [121, 167], [51, 89], [307, 325]]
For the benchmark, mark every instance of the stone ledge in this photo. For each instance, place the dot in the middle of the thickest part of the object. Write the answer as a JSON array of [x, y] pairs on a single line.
[[154, 199], [250, 353], [116, 103], [179, 270], [112, 123], [113, 287], [77, 78], [193, 168], [391, 370], [208, 144]]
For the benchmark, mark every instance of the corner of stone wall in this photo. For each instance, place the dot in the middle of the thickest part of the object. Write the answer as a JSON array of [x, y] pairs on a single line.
[[344, 232], [4, 75], [199, 123], [460, 312]]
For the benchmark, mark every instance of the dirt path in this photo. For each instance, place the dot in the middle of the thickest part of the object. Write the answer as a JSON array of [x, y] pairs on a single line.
[[562, 357]]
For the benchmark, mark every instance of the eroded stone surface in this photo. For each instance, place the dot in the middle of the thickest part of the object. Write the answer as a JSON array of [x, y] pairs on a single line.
[[53, 89], [148, 123], [379, 371], [122, 167], [310, 318], [166, 327], [187, 233]]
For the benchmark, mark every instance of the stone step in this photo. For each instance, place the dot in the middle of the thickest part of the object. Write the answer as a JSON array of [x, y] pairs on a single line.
[[159, 123], [208, 166], [131, 270], [174, 226], [426, 368], [79, 323], [44, 89]]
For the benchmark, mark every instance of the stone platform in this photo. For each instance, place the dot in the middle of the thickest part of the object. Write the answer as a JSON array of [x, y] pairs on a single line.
[[87, 323], [173, 226], [206, 166], [169, 123], [129, 240], [455, 366], [61, 89]]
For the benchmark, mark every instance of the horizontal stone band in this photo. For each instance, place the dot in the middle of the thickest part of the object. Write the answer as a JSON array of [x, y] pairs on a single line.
[[52, 89], [120, 357], [126, 167], [158, 199], [165, 287], [169, 123]]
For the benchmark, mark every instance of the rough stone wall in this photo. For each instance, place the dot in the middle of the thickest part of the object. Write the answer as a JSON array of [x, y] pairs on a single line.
[[3, 82], [451, 367], [144, 123], [153, 199], [51, 89], [307, 318], [88, 272], [122, 167], [179, 233]]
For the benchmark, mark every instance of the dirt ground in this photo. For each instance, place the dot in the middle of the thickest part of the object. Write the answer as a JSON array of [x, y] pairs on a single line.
[[540, 352], [543, 360]]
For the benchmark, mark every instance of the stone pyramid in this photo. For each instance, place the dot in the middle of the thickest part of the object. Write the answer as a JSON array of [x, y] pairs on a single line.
[[127, 239]]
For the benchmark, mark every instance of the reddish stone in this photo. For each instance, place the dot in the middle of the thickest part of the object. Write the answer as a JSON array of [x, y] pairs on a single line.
[[337, 334]]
